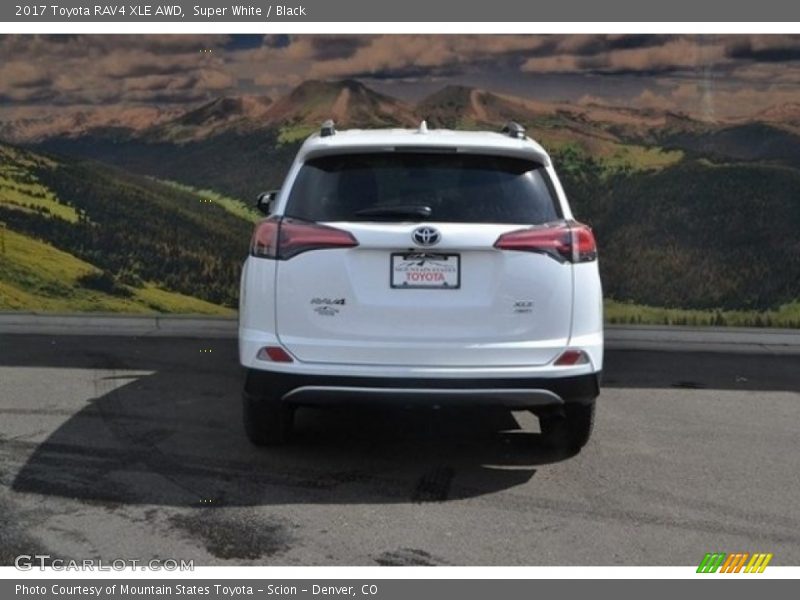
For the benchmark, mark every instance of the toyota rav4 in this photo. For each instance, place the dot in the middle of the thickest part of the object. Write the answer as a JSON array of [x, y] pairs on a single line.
[[428, 267]]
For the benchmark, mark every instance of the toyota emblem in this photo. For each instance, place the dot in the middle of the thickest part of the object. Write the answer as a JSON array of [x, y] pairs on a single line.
[[426, 236]]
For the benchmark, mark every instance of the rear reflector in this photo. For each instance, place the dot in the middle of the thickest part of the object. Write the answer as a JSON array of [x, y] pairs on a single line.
[[284, 238], [571, 357], [274, 354], [566, 242]]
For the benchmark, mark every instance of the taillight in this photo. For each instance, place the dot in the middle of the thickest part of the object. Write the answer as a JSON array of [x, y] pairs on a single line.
[[284, 238], [584, 246], [573, 242], [265, 238]]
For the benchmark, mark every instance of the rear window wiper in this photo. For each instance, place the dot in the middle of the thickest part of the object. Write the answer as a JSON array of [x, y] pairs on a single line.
[[413, 211]]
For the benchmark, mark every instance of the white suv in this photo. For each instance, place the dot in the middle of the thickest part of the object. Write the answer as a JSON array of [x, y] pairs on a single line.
[[431, 267]]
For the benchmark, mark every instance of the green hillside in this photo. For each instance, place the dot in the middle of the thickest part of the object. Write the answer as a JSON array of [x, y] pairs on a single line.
[[694, 235], [233, 206], [695, 222], [674, 233], [20, 189], [103, 239], [238, 165], [759, 142], [35, 276], [628, 313]]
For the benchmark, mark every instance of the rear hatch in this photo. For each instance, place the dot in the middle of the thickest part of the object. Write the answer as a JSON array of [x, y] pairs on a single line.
[[415, 259]]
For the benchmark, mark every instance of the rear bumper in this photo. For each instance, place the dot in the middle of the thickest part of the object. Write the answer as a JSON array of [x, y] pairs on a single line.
[[513, 393], [252, 340]]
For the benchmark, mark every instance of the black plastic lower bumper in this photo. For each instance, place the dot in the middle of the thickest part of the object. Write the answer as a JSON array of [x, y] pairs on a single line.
[[515, 392]]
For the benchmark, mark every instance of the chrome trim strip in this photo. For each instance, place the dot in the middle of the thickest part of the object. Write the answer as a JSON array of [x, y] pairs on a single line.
[[511, 397]]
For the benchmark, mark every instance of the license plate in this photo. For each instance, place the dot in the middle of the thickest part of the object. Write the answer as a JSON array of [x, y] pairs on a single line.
[[426, 270]]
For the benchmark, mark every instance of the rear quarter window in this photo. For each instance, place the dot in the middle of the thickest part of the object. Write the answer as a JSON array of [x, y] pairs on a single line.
[[459, 188]]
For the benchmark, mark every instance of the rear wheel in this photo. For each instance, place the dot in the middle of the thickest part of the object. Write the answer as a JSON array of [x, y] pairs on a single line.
[[268, 421], [571, 430]]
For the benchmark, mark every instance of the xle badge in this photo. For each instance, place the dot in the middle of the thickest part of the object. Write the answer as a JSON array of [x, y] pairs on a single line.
[[523, 306]]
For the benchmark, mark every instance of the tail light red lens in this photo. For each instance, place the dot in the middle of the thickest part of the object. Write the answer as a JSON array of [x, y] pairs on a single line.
[[584, 246], [284, 238], [265, 238], [567, 242]]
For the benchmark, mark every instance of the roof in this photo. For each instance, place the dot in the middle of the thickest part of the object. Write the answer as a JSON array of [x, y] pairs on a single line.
[[387, 140]]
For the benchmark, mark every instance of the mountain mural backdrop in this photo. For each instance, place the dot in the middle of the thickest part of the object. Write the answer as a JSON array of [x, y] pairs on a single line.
[[138, 208]]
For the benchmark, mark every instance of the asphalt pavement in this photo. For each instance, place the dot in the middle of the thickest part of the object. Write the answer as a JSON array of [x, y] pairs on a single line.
[[132, 447]]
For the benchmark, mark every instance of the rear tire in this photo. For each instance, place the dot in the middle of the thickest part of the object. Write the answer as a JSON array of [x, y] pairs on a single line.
[[572, 430], [268, 421]]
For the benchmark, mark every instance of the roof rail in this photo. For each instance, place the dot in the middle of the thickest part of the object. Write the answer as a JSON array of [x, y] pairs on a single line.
[[327, 129], [514, 130]]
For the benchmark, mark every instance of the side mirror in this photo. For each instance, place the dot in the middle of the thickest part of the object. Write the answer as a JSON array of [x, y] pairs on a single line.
[[265, 201]]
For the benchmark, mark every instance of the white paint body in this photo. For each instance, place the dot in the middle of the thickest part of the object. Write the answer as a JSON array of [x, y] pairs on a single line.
[[476, 331]]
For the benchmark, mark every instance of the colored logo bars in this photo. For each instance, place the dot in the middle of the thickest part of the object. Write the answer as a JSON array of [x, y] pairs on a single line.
[[734, 563]]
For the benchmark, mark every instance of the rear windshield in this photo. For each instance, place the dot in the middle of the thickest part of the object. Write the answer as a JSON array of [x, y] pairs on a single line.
[[459, 188]]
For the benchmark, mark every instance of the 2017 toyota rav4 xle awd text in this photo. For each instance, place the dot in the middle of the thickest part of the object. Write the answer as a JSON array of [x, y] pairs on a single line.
[[431, 267]]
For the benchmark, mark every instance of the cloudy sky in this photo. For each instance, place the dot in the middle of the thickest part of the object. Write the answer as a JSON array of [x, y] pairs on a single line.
[[709, 76]]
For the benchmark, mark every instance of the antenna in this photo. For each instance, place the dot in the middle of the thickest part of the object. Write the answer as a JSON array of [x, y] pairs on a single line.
[[423, 127]]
